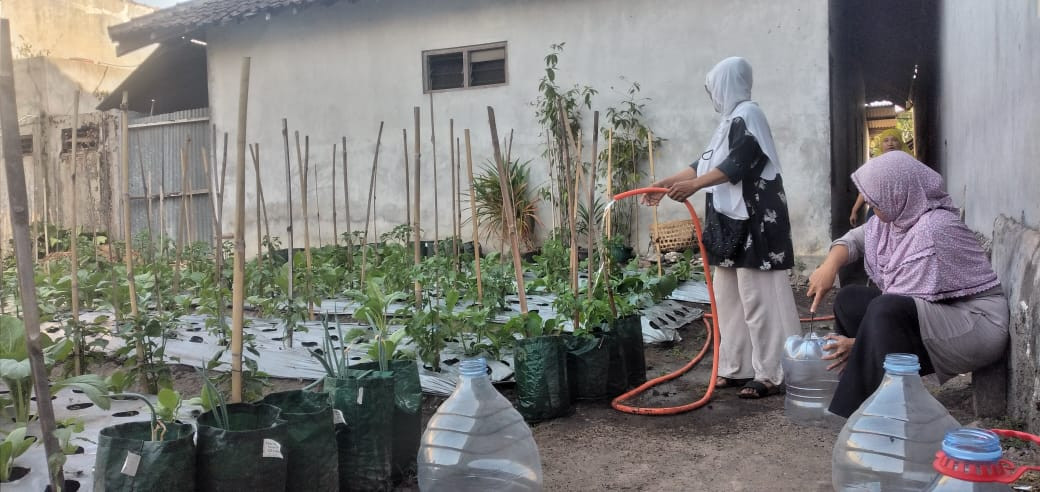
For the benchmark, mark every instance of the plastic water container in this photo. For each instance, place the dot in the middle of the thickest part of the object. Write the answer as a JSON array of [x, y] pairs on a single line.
[[969, 462], [477, 442], [889, 443], [810, 385]]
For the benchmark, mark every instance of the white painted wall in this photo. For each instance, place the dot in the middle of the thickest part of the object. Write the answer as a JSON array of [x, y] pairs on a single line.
[[341, 69], [989, 110]]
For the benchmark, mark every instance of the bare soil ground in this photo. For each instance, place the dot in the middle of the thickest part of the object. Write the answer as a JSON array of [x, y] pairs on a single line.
[[730, 444]]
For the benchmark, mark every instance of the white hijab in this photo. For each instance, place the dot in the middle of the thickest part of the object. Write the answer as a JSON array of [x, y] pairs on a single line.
[[729, 85]]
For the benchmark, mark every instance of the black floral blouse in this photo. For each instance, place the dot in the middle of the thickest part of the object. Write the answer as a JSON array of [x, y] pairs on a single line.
[[768, 245]]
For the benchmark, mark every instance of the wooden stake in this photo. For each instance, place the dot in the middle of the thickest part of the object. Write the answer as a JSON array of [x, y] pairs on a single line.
[[407, 181], [238, 295], [218, 241], [458, 195], [416, 222], [371, 200], [335, 219], [302, 162], [475, 220], [610, 181], [182, 228], [187, 187], [571, 180], [289, 230], [436, 212], [590, 211], [260, 192], [454, 193], [553, 196], [124, 166], [317, 199], [653, 178], [509, 147], [510, 213], [77, 337], [19, 203], [346, 207]]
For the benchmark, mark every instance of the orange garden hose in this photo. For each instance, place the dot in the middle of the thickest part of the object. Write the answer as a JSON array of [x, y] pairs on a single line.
[[712, 334]]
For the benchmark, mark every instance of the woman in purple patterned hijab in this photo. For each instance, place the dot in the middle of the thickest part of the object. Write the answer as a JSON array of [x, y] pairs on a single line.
[[936, 296]]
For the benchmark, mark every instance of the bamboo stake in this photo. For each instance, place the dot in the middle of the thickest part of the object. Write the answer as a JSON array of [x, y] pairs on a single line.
[[590, 212], [124, 164], [181, 227], [571, 196], [407, 181], [416, 222], [335, 219], [371, 200], [289, 230], [436, 212], [458, 195], [653, 178], [509, 147], [46, 216], [454, 193], [238, 295], [552, 180], [254, 154], [260, 192], [475, 219], [346, 207], [507, 205], [317, 199], [218, 241], [77, 337], [223, 176], [19, 203], [302, 162], [162, 218], [610, 182], [187, 187], [147, 194]]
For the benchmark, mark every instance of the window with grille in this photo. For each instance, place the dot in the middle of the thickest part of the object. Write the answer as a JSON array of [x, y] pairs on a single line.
[[469, 66]]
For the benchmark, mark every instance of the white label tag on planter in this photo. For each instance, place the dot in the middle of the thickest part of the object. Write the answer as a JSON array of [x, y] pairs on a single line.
[[360, 395], [131, 464], [272, 449], [337, 417]]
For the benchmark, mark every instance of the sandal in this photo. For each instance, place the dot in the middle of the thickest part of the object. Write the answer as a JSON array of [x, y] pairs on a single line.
[[724, 382], [759, 389]]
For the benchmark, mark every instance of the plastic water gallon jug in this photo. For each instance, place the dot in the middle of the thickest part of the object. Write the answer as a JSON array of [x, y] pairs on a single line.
[[810, 385], [477, 442], [970, 461], [889, 443]]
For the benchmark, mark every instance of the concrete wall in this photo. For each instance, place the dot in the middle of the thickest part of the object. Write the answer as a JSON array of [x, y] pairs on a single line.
[[989, 109], [340, 70], [1016, 258]]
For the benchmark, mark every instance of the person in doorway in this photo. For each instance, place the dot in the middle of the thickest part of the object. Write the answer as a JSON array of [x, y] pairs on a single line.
[[936, 296], [747, 234], [888, 140]]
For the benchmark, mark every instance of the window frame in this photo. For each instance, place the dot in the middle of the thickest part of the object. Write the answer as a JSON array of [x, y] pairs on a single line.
[[466, 68]]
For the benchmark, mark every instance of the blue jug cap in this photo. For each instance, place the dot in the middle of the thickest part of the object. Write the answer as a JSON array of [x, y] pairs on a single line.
[[473, 367], [969, 444], [902, 364]]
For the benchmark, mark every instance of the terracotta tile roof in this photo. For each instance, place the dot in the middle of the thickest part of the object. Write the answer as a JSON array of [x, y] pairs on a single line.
[[189, 17]]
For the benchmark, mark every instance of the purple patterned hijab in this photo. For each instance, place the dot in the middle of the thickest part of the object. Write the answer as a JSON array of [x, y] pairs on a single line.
[[922, 249]]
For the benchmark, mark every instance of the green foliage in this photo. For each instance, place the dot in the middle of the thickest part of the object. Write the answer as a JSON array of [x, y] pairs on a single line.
[[13, 446], [490, 208], [66, 428], [169, 404], [374, 304]]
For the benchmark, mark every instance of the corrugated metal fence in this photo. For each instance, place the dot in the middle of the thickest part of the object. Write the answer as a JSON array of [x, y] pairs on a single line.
[[156, 146]]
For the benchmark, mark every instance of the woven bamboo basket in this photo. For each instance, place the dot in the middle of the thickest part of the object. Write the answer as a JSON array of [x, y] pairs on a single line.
[[677, 235]]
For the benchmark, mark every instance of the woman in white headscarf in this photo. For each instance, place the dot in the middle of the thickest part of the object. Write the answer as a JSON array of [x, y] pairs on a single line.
[[747, 234]]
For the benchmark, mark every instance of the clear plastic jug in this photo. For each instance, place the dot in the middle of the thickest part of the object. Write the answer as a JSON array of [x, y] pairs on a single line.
[[889, 443], [810, 385], [969, 462], [477, 441]]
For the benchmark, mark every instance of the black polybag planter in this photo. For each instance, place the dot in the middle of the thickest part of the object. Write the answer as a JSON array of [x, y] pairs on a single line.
[[365, 440], [542, 387], [407, 417], [629, 331], [251, 455], [166, 465], [312, 461]]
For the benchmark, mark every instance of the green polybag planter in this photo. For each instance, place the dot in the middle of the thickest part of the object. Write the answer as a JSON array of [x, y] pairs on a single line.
[[251, 455], [312, 463], [366, 399], [407, 419], [166, 465], [629, 331], [587, 365], [542, 388]]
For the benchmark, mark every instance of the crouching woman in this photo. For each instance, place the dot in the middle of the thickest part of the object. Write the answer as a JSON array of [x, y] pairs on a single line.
[[937, 295]]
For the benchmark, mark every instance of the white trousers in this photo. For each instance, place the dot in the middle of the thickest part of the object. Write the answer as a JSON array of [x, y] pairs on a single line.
[[756, 313]]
